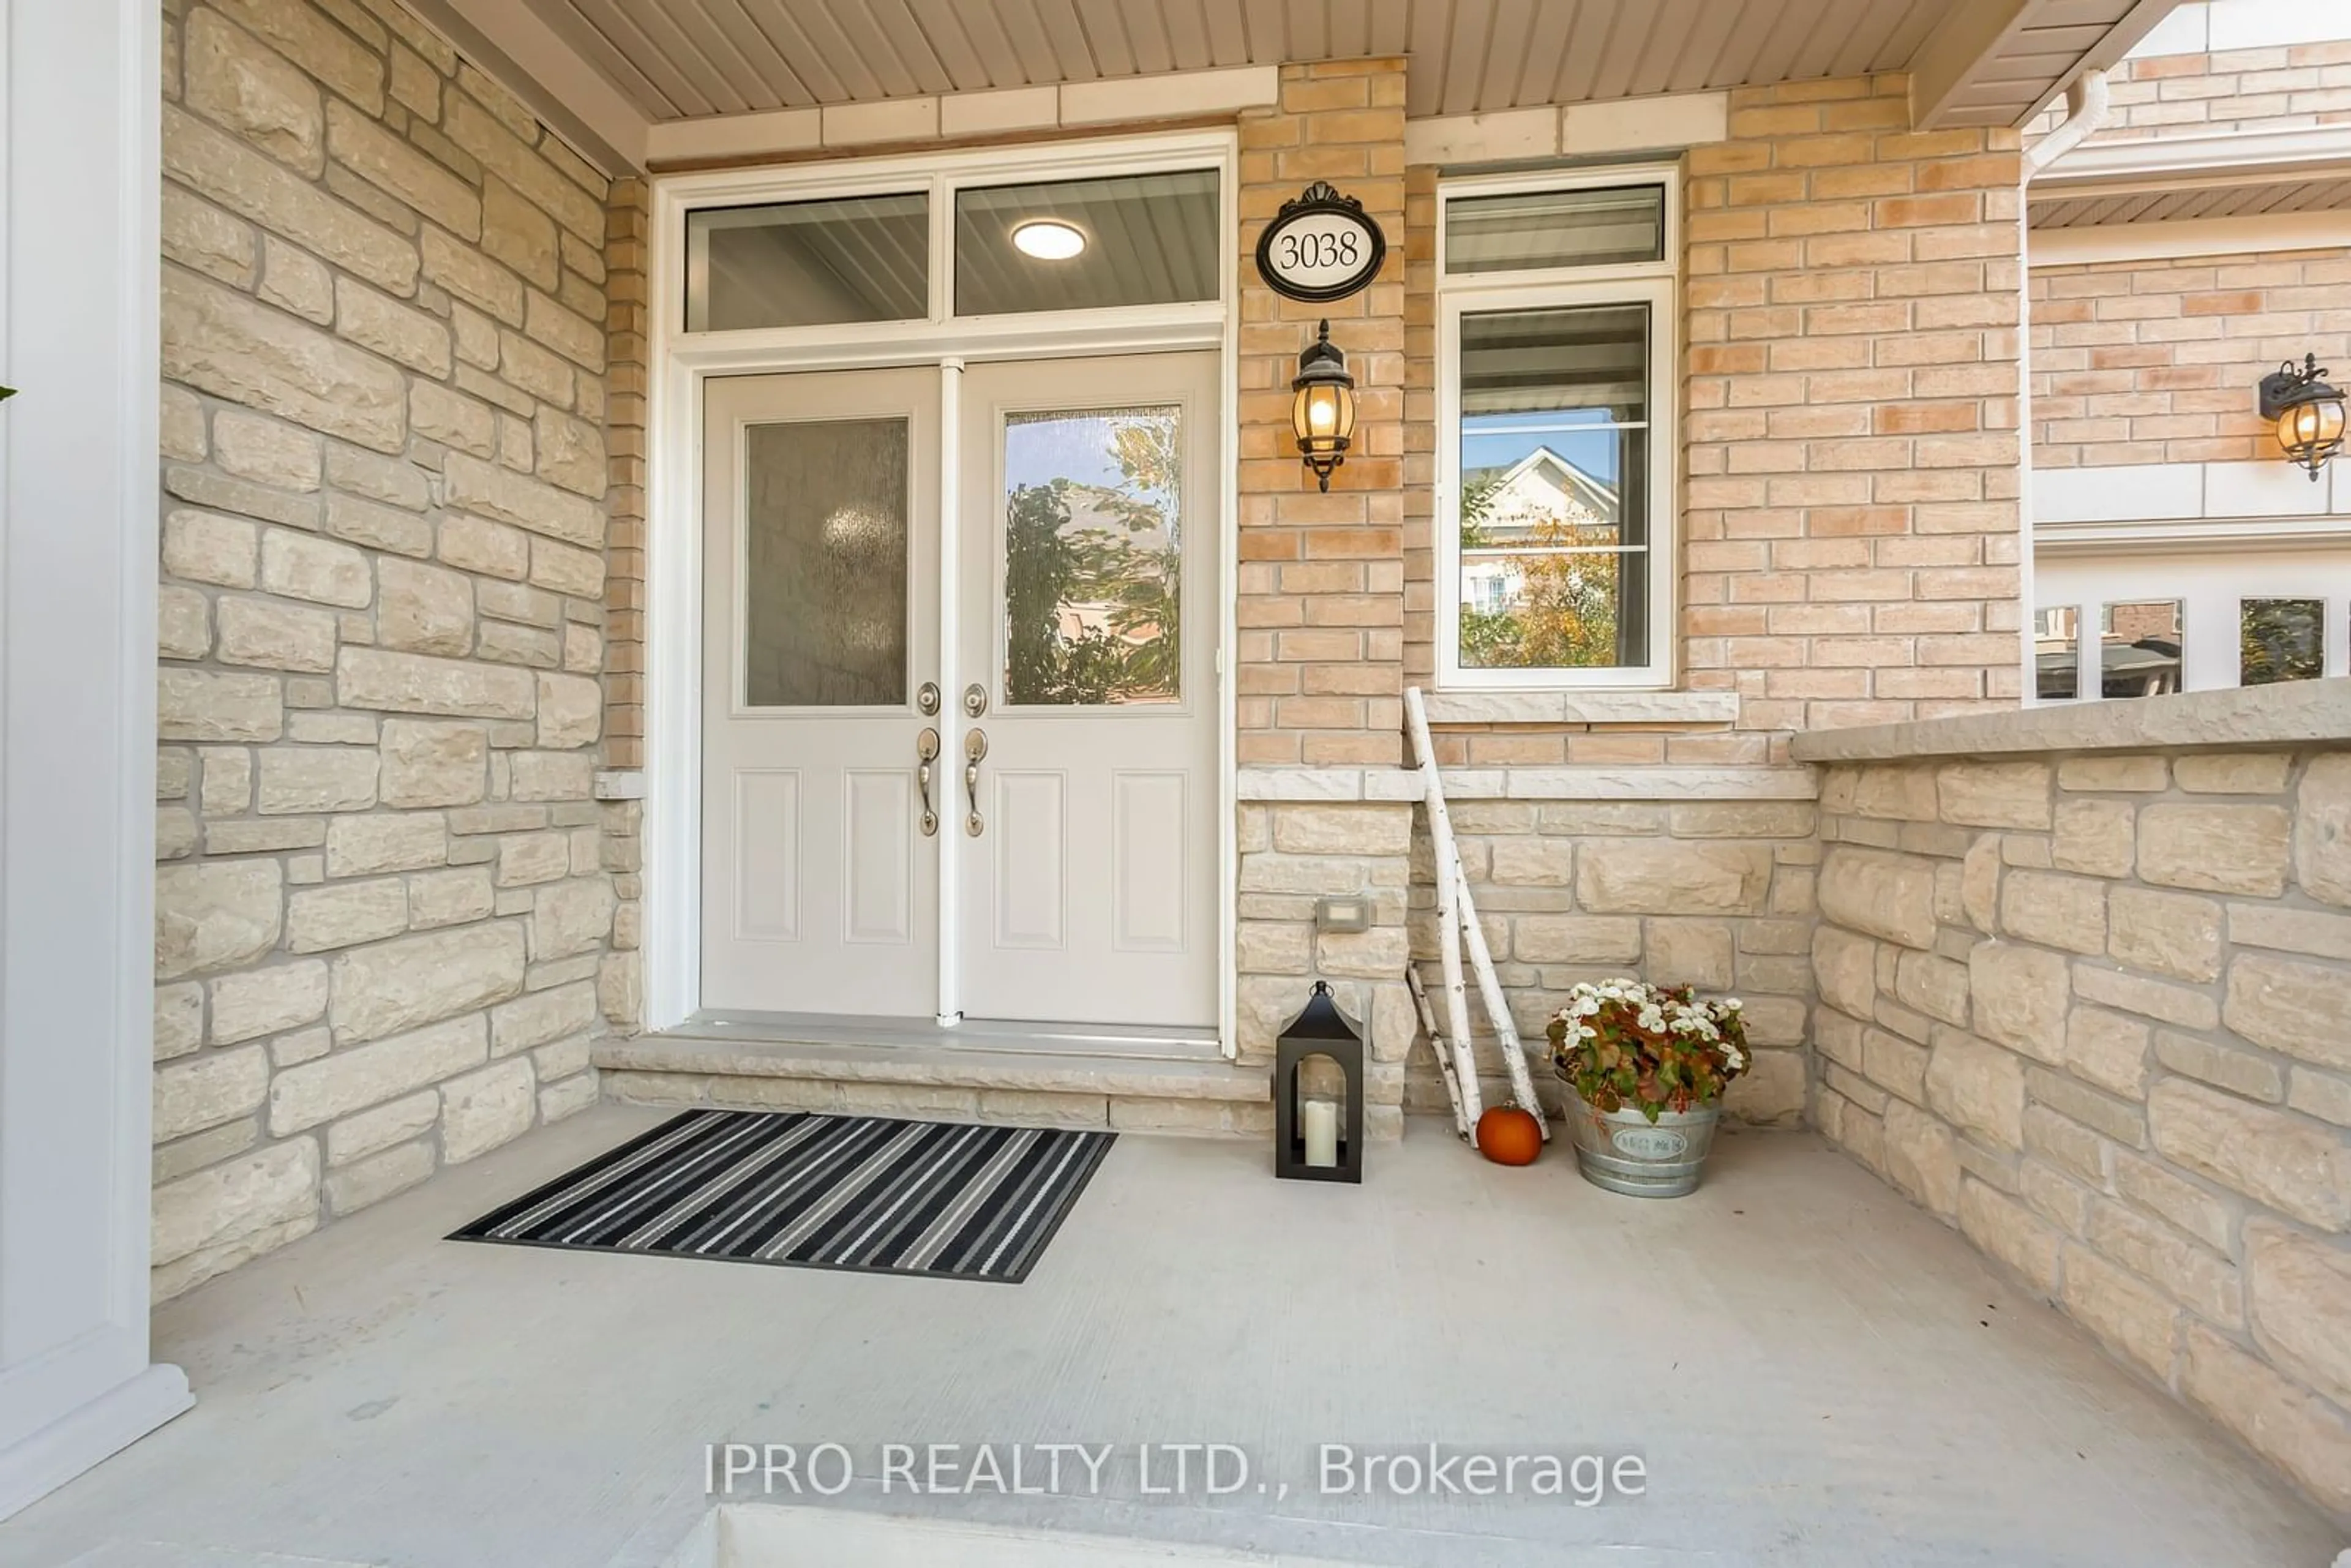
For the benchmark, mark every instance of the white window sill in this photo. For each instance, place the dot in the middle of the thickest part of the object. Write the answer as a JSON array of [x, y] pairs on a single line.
[[1583, 708]]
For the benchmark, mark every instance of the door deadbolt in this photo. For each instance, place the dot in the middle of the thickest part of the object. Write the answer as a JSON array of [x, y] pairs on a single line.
[[975, 700], [926, 698]]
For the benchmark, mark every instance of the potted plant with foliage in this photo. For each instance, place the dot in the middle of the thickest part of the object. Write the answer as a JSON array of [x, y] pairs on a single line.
[[1649, 1065]]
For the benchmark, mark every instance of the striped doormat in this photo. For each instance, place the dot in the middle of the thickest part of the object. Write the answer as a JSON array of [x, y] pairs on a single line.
[[823, 1192]]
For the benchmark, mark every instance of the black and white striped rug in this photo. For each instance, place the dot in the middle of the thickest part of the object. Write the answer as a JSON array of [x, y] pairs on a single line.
[[823, 1192]]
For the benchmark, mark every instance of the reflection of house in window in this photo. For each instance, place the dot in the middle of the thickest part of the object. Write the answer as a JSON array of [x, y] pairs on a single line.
[[2139, 648], [1528, 506]]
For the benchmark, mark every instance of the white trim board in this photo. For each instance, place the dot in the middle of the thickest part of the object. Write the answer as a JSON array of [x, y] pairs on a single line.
[[79, 297], [2307, 151], [2087, 245], [514, 46], [2220, 27], [1612, 128], [1088, 105], [2171, 492]]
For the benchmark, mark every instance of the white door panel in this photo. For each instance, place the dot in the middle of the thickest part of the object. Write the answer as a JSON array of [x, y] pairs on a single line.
[[1086, 589], [1086, 603], [820, 620]]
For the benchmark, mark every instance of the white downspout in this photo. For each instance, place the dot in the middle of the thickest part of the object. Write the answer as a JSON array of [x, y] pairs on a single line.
[[2086, 110], [2086, 106]]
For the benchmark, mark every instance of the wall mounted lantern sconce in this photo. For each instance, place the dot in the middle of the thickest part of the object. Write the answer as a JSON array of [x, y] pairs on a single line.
[[1322, 414], [2309, 413]]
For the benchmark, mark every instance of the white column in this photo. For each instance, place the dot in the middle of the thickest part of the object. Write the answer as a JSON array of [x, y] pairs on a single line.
[[78, 199]]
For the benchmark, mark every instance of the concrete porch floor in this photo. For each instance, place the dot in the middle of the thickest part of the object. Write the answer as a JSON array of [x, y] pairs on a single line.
[[1814, 1372]]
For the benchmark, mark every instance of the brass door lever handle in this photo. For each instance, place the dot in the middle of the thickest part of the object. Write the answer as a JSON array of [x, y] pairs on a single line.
[[974, 747], [926, 749]]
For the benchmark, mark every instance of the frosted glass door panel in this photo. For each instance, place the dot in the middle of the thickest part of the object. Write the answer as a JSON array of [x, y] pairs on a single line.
[[825, 570]]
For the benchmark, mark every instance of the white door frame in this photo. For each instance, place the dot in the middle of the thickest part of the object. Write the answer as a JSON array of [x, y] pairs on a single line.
[[80, 95], [678, 364]]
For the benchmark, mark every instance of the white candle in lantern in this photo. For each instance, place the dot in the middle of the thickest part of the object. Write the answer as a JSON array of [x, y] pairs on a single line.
[[1322, 1133]]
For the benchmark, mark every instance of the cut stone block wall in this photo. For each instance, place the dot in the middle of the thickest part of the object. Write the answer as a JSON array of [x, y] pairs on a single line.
[[2094, 1010], [2155, 361], [1712, 894], [384, 896], [1295, 852]]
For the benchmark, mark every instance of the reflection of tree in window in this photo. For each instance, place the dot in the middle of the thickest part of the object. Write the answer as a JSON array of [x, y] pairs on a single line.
[[1553, 515], [1537, 611], [1093, 560], [2281, 640]]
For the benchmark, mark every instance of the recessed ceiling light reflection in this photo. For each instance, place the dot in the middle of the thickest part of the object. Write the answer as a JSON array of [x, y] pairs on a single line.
[[1048, 240]]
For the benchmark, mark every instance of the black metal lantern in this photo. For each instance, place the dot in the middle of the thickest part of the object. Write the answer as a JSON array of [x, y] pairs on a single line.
[[2309, 413], [1322, 412], [1317, 1137]]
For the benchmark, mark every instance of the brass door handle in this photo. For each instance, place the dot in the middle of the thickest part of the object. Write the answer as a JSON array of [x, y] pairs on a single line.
[[927, 747], [974, 747]]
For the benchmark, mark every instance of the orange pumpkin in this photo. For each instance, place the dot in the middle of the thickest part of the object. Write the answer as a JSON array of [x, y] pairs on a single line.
[[1509, 1136]]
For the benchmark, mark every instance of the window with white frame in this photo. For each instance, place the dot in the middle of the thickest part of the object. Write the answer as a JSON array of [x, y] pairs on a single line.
[[2110, 625], [1557, 324]]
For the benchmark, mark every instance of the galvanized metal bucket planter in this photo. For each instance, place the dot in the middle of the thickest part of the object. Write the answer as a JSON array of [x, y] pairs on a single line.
[[1624, 1152]]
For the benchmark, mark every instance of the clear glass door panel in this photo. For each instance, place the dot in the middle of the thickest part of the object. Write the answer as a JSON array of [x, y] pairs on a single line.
[[1094, 557], [824, 563]]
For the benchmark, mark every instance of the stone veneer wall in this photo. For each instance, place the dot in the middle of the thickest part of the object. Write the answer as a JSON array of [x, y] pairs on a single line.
[[1716, 894], [2154, 362], [384, 900], [2095, 1011]]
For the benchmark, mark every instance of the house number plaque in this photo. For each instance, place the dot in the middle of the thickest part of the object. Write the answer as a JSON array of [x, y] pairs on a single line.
[[1319, 247]]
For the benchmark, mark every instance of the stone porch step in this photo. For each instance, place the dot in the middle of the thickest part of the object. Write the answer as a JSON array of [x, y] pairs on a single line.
[[1044, 1081]]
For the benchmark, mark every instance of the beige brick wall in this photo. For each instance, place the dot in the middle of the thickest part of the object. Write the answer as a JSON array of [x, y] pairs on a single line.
[[383, 902], [1320, 594], [2091, 1010], [1849, 519], [2241, 90], [2155, 361], [1850, 545], [1850, 510]]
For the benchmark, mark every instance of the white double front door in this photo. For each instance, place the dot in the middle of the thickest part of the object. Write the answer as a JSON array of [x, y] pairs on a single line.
[[969, 770]]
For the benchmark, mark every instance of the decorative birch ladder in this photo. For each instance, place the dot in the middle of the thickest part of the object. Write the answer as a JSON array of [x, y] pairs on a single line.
[[1446, 1066], [1457, 920]]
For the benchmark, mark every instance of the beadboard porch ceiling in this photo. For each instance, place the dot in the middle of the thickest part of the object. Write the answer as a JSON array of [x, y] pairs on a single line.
[[615, 67]]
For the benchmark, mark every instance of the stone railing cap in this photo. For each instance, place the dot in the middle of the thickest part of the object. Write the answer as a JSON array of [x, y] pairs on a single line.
[[2295, 713]]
